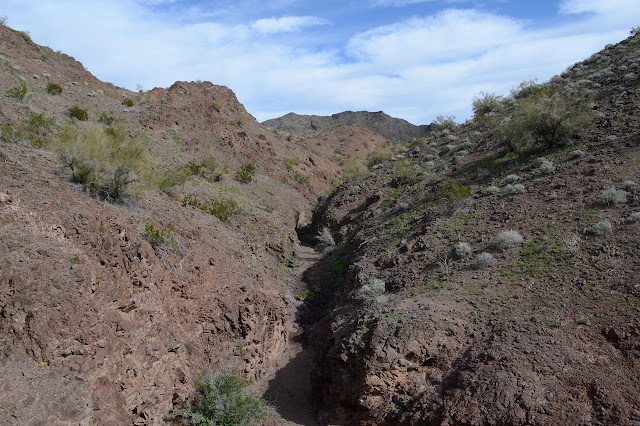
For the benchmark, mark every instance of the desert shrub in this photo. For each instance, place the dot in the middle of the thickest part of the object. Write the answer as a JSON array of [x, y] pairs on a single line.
[[635, 31], [290, 162], [512, 178], [544, 117], [373, 291], [128, 102], [404, 172], [628, 184], [54, 89], [245, 173], [325, 239], [633, 217], [223, 400], [3, 20], [104, 161], [106, 118], [33, 132], [492, 189], [508, 239], [169, 178], [77, 112], [376, 157], [613, 196], [445, 123], [300, 178], [483, 260], [263, 137], [461, 250], [209, 168], [19, 91], [545, 166], [516, 189], [486, 104], [576, 153], [223, 208], [454, 191], [159, 237], [601, 228], [353, 169]]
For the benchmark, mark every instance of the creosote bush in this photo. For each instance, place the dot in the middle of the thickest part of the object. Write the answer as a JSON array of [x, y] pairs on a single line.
[[223, 400], [104, 161], [404, 172], [223, 208], [19, 91], [128, 102], [161, 237], [246, 172], [508, 239], [613, 196], [54, 89], [485, 105], [376, 157], [77, 112], [33, 132]]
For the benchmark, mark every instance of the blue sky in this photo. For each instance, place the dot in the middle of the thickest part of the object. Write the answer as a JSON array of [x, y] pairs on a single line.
[[414, 59]]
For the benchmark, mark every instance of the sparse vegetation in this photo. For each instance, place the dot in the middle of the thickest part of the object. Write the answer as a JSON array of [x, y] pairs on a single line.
[[245, 173], [545, 117], [77, 112], [613, 196], [461, 250], [508, 239], [404, 172], [545, 166], [223, 400], [576, 153], [19, 91], [159, 237], [601, 228], [483, 260], [128, 102], [376, 157], [325, 238], [223, 208], [516, 189], [485, 105], [454, 191], [633, 217], [54, 89], [104, 161], [107, 118], [375, 291], [33, 132]]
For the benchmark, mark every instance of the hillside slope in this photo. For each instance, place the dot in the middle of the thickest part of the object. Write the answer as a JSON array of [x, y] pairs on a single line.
[[435, 315], [110, 310], [394, 129]]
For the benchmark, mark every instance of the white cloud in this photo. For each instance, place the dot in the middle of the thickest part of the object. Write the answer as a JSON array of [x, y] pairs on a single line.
[[286, 24]]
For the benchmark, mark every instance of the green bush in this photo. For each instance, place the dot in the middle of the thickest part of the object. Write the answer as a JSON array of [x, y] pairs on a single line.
[[19, 91], [543, 117], [245, 173], [301, 179], [128, 102], [223, 208], [601, 228], [376, 157], [107, 119], [223, 400], [105, 161], [485, 105], [445, 124], [158, 237], [33, 132], [454, 191], [77, 112], [404, 172], [54, 89], [169, 178]]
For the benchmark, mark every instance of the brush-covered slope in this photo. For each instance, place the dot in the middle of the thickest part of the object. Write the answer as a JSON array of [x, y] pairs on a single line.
[[394, 129], [491, 274]]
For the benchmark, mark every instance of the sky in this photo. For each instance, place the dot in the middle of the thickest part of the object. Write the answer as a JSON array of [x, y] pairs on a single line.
[[413, 59]]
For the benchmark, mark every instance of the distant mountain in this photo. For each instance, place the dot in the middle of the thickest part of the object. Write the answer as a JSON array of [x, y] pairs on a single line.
[[394, 129]]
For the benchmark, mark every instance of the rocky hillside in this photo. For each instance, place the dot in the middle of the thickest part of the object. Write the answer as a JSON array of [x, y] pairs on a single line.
[[394, 129], [143, 240], [491, 274]]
